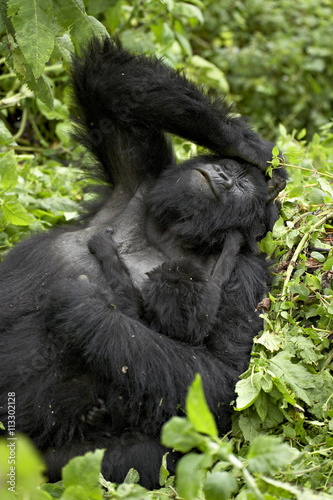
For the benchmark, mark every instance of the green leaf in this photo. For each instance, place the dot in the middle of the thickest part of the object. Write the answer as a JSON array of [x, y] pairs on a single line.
[[279, 228], [189, 476], [313, 281], [328, 142], [130, 492], [301, 134], [306, 349], [42, 89], [55, 490], [282, 130], [318, 256], [40, 86], [197, 409], [84, 471], [250, 426], [113, 16], [328, 265], [180, 434], [316, 196], [296, 192], [296, 376], [268, 244], [164, 473], [2, 18], [34, 31], [8, 171], [271, 341], [285, 391], [132, 476], [184, 43], [291, 238], [267, 455], [95, 7], [58, 204], [15, 213], [29, 468], [220, 486], [5, 136], [59, 111], [64, 47], [326, 186], [261, 405], [212, 73], [300, 289], [248, 390], [71, 14], [189, 11]]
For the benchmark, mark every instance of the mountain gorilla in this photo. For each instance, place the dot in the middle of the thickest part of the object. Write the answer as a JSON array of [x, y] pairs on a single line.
[[104, 323]]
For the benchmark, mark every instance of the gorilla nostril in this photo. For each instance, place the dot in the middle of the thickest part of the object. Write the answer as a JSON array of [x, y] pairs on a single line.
[[227, 180]]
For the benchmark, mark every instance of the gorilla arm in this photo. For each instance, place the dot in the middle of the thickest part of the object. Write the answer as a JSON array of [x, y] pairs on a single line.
[[146, 96]]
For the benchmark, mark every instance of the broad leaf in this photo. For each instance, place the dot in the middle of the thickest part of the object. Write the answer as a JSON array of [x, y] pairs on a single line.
[[197, 409], [267, 455], [34, 31], [189, 476], [248, 390], [180, 434], [8, 171], [15, 213], [220, 486], [84, 471], [71, 14]]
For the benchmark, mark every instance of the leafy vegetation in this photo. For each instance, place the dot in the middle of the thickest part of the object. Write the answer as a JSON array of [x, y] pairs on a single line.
[[273, 59], [276, 56], [209, 469]]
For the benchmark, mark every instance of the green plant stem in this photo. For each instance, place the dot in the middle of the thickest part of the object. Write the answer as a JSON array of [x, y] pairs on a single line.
[[312, 170], [300, 247], [7, 75], [54, 67], [39, 136], [247, 476], [307, 471]]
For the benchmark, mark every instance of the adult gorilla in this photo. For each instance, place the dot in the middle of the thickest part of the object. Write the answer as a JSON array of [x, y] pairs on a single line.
[[114, 315]]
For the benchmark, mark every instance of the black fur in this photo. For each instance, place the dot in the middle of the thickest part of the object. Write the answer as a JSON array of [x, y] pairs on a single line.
[[104, 324]]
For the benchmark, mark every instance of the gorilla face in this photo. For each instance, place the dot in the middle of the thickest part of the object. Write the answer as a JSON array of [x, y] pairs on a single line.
[[201, 200]]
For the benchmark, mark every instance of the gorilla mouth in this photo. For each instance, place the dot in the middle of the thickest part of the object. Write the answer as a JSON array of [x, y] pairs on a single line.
[[208, 180]]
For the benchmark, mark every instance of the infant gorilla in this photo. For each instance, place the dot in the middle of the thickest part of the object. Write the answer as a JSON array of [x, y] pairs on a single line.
[[180, 299]]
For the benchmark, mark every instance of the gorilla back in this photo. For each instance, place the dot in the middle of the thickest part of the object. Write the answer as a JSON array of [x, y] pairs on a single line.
[[103, 324]]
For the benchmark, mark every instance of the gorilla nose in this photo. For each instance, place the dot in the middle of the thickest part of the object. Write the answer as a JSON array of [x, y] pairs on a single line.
[[226, 179]]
